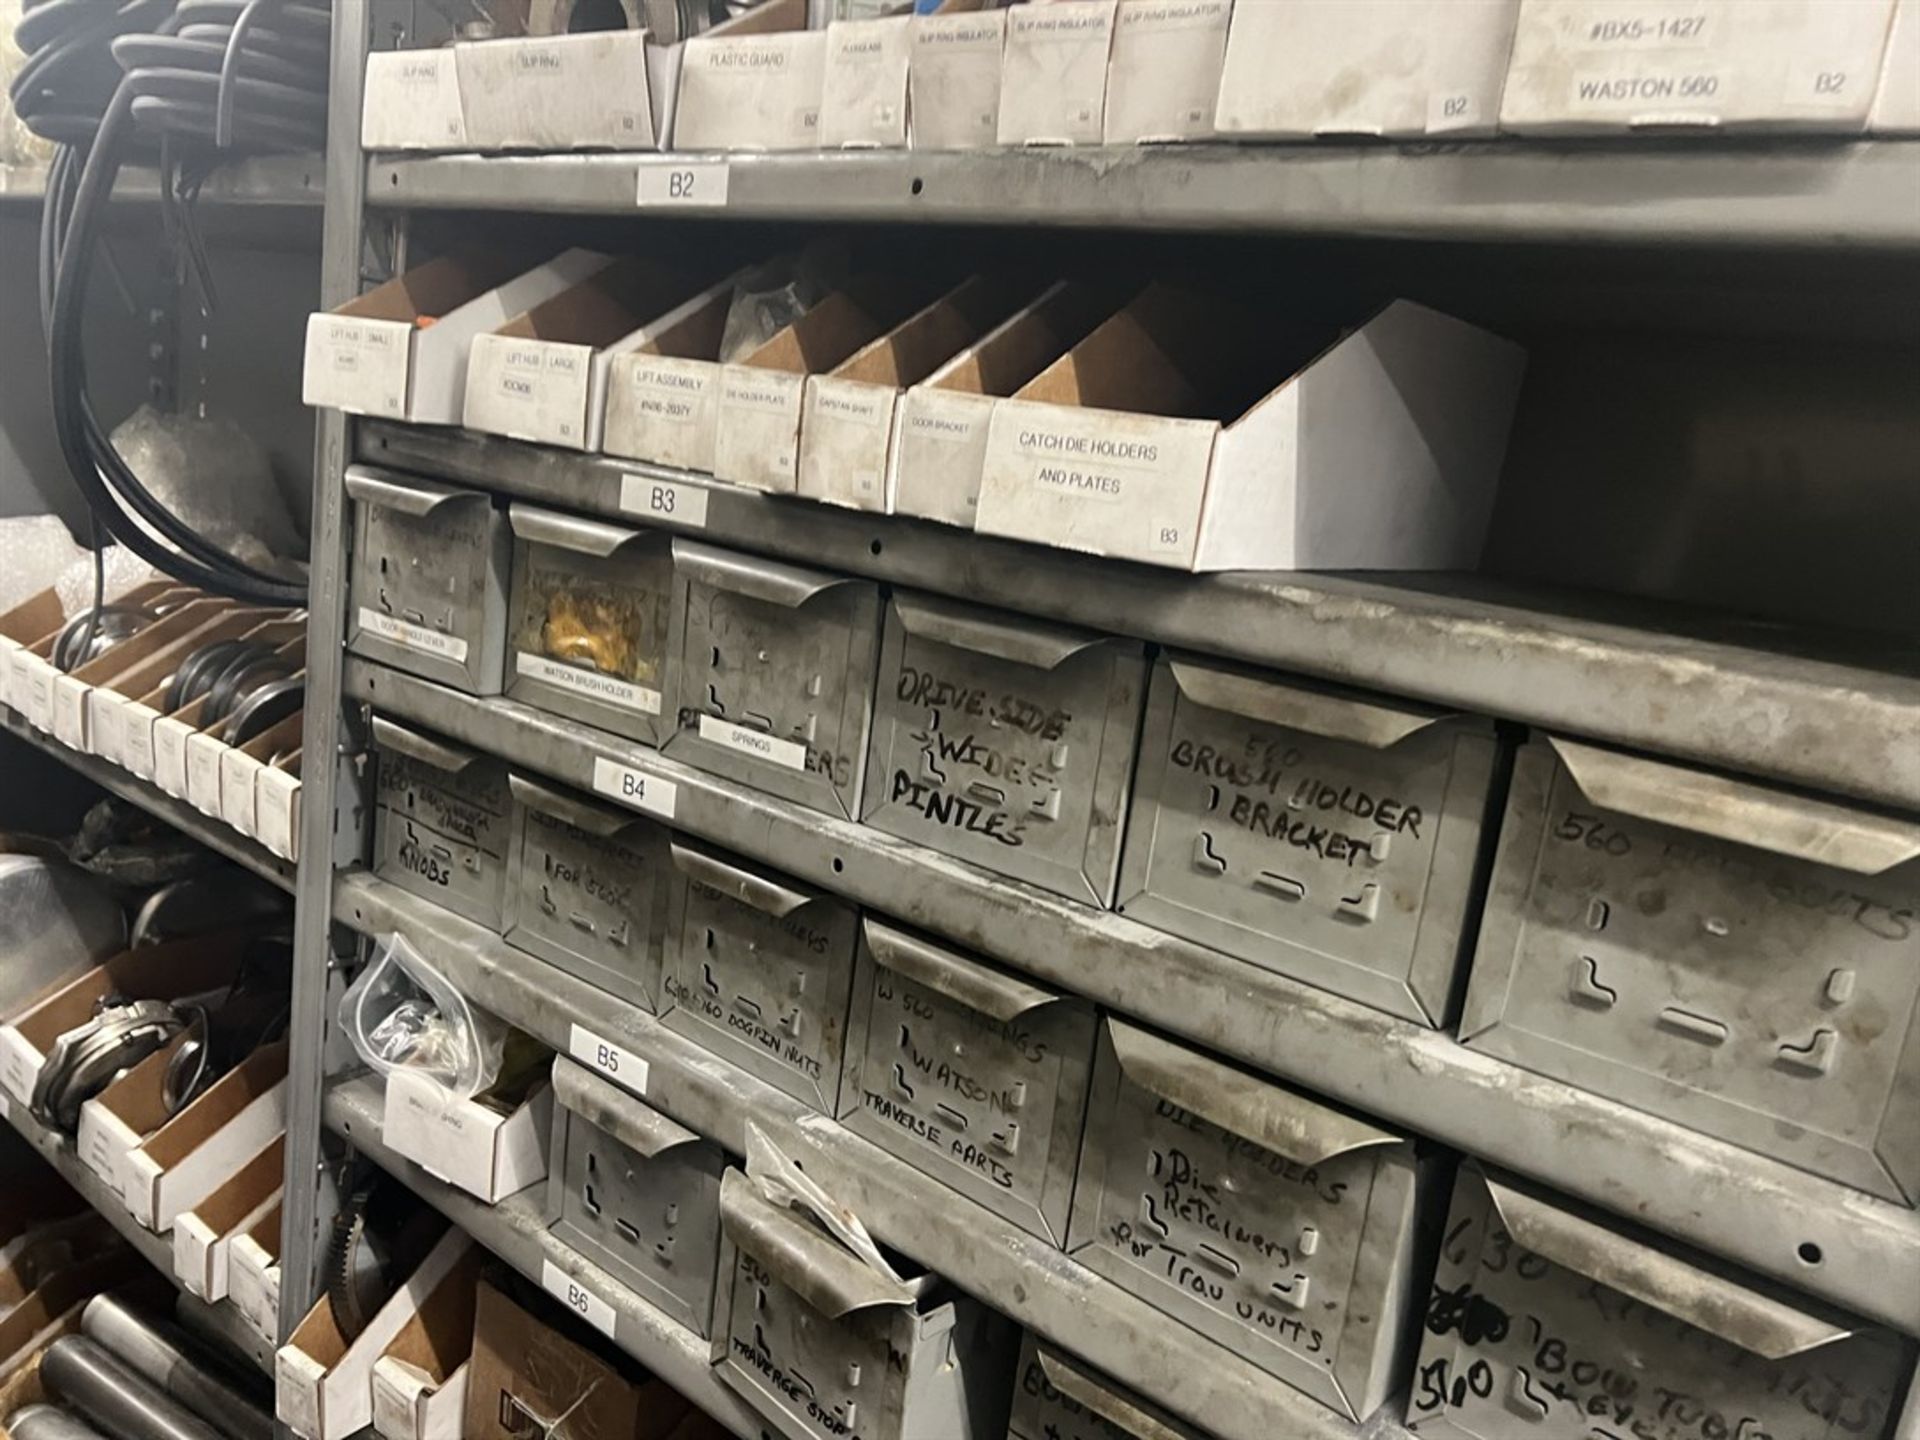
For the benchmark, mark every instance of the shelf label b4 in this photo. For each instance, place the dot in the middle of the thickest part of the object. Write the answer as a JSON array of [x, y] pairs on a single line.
[[634, 788]]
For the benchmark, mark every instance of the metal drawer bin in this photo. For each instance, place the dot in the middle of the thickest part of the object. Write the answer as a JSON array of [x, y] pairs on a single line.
[[636, 1194], [975, 1076], [1272, 1224], [759, 969], [440, 821], [1546, 1323], [590, 890], [1005, 742], [827, 1348], [590, 635], [429, 579], [1057, 1398], [1741, 960], [776, 676], [1330, 837]]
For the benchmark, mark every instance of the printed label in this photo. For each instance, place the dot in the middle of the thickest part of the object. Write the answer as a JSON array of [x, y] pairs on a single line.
[[414, 637], [577, 1297], [136, 740], [19, 1064], [647, 793], [273, 802], [70, 711], [40, 677], [170, 756], [788, 754], [703, 184], [203, 775], [684, 505], [627, 1071], [591, 683]]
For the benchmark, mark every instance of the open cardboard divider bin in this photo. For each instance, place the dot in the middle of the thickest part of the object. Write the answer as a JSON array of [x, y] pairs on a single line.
[[215, 1134], [203, 1237], [253, 1274], [207, 749], [169, 732]]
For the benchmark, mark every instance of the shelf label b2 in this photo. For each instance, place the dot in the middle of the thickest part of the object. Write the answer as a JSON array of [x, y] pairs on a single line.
[[702, 183], [576, 1297]]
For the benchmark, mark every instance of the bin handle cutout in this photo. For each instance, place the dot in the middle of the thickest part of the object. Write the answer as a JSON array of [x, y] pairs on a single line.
[[737, 882], [816, 1267], [571, 532], [964, 981], [1117, 1410], [410, 494], [1297, 707], [630, 1120], [1025, 642], [1757, 1323], [1744, 812], [749, 575], [1279, 1120], [427, 749], [581, 814]]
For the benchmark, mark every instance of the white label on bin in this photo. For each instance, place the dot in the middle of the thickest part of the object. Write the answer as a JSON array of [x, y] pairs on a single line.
[[577, 1297], [625, 1070], [590, 683], [19, 1064], [664, 500], [702, 183], [40, 676], [789, 754], [648, 793], [414, 637]]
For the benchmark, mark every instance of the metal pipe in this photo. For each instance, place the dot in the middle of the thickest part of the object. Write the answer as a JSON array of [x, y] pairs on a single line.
[[102, 1387], [45, 1422], [150, 1353]]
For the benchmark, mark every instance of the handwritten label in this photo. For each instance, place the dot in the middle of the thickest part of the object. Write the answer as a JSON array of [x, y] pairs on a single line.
[[666, 500], [413, 637], [702, 183], [590, 683], [577, 1297], [624, 1069], [788, 754], [647, 793]]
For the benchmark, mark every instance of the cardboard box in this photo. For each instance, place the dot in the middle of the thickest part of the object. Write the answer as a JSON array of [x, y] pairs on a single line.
[[762, 396], [154, 744], [276, 806], [63, 696], [207, 754], [244, 767], [323, 1383], [253, 1274], [412, 102], [203, 1237], [1896, 104], [953, 80], [114, 1122], [863, 102], [1380, 451], [119, 722], [30, 621], [73, 693], [400, 351], [1299, 68], [940, 444], [195, 1152], [1589, 67], [484, 1149], [1053, 77], [28, 1322], [754, 83], [419, 1385], [663, 393], [848, 422], [591, 91], [1163, 76]]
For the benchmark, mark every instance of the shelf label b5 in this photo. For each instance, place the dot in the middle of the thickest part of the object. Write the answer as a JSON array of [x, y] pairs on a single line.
[[624, 1068]]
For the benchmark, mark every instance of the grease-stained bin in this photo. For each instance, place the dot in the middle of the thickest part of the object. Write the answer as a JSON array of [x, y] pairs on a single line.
[[441, 821], [1058, 1398], [637, 1194], [1740, 959], [827, 1347], [589, 890], [1326, 835], [758, 970], [1274, 1225], [1545, 1322], [1005, 741], [777, 667], [429, 579], [977, 1077], [590, 616]]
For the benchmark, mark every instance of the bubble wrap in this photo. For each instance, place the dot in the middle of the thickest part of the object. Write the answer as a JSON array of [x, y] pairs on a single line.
[[38, 552], [18, 145], [214, 477], [124, 570]]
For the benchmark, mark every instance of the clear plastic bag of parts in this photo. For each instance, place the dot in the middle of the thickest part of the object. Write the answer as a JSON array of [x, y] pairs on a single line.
[[403, 1014]]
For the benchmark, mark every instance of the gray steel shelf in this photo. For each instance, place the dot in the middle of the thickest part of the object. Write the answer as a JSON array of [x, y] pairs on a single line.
[[220, 1318], [1725, 1200], [1742, 697], [515, 1230], [216, 835], [1016, 1273], [1863, 194], [266, 180]]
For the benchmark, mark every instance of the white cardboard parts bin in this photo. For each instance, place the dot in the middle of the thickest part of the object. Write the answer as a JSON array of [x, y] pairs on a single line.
[[663, 394], [863, 100], [953, 80], [1163, 77], [1590, 67], [372, 356], [412, 102], [591, 91], [253, 1274], [849, 420], [203, 1236], [191, 1155], [754, 83], [542, 376], [114, 1122], [1053, 76], [1381, 451], [1896, 105], [485, 1151], [1394, 68], [419, 1384]]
